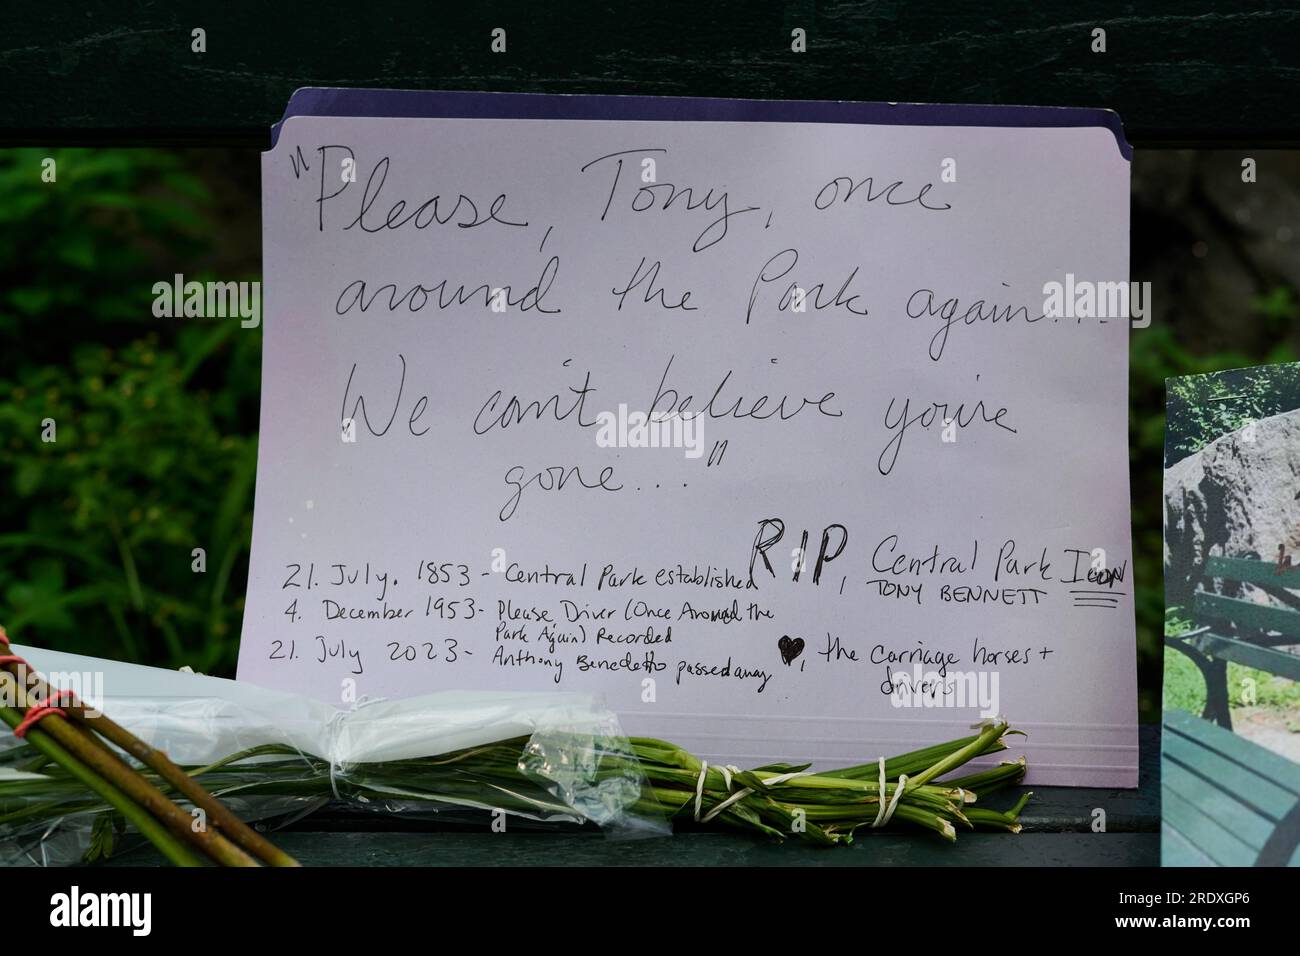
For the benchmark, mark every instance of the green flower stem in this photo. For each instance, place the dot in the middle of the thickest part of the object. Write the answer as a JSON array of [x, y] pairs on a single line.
[[234, 828], [220, 817], [824, 808], [96, 757], [958, 757], [989, 780], [150, 828]]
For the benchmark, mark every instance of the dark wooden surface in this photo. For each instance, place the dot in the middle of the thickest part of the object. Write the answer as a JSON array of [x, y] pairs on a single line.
[[711, 849], [1057, 832], [1197, 71]]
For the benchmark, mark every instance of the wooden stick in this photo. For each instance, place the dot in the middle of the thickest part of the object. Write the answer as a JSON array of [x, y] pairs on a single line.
[[87, 748], [218, 814], [151, 829]]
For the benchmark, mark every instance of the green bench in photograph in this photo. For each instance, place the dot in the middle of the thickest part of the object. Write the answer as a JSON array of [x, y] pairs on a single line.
[[1225, 800], [1233, 629]]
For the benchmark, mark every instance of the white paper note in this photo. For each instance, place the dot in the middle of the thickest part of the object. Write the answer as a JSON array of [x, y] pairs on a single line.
[[879, 475]]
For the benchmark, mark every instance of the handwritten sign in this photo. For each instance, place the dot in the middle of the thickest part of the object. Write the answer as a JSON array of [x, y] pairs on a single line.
[[769, 430]]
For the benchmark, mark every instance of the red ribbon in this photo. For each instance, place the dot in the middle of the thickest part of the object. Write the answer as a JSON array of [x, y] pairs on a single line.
[[40, 711], [34, 715]]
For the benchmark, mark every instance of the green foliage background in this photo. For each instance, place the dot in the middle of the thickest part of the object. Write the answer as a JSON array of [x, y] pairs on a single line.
[[157, 418], [1205, 407]]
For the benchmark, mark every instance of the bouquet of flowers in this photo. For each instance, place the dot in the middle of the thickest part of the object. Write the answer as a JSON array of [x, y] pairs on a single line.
[[186, 761]]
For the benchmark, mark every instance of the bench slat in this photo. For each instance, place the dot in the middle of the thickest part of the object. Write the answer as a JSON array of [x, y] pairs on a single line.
[[1219, 801], [1266, 764], [1248, 614], [1222, 846], [1247, 653], [1177, 850], [1252, 571], [1211, 771]]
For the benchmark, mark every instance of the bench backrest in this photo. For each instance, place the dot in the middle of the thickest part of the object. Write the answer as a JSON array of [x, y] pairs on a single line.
[[1248, 615], [1254, 571]]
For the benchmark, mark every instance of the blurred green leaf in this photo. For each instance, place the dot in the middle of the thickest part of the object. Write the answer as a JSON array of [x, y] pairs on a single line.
[[156, 418]]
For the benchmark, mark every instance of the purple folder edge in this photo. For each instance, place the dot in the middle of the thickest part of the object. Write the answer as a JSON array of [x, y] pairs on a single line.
[[340, 101]]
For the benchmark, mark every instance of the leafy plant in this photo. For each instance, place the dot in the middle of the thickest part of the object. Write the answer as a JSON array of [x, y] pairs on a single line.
[[1205, 407], [152, 420]]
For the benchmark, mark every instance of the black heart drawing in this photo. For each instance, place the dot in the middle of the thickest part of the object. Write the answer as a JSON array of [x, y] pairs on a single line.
[[790, 648]]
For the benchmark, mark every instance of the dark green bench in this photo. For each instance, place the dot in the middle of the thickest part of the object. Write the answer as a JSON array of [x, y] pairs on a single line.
[[1233, 629], [1224, 800]]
